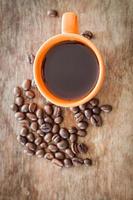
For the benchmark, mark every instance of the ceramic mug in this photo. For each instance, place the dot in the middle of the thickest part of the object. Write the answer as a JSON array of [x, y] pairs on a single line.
[[69, 32]]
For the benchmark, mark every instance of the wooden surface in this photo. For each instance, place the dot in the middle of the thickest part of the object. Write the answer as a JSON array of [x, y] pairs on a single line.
[[24, 26]]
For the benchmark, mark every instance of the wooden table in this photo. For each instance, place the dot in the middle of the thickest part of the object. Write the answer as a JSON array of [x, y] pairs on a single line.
[[24, 26]]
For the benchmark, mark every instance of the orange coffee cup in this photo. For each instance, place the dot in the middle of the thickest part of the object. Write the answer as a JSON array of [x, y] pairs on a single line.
[[69, 32]]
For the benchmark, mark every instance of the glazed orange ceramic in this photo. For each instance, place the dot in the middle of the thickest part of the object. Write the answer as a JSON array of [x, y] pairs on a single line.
[[69, 32]]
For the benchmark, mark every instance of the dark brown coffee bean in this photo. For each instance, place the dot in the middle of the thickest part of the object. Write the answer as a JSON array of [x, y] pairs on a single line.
[[59, 155], [25, 108], [40, 121], [49, 156], [22, 139], [89, 106], [58, 120], [57, 112], [82, 125], [74, 148], [30, 137], [77, 161], [32, 107], [29, 152], [74, 109], [19, 101], [26, 85], [63, 144], [24, 131], [52, 13], [82, 107], [55, 128], [82, 133], [94, 102], [69, 153], [73, 130], [19, 116], [48, 119], [88, 34], [38, 140], [79, 117], [43, 145], [64, 133], [56, 138], [88, 113], [73, 137], [46, 127], [17, 91], [39, 113], [96, 110], [48, 109], [96, 120], [48, 137], [106, 108], [25, 123], [34, 126], [30, 94], [87, 161], [82, 148], [57, 162], [52, 148], [31, 146], [31, 116], [68, 162], [14, 107], [31, 58], [39, 132], [40, 153]]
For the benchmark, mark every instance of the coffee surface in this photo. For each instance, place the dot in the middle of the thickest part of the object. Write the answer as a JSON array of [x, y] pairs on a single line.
[[70, 70]]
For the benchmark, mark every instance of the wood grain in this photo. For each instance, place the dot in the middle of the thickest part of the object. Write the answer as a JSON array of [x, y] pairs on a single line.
[[24, 26]]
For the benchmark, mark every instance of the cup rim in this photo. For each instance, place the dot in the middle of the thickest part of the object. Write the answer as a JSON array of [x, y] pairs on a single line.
[[37, 70]]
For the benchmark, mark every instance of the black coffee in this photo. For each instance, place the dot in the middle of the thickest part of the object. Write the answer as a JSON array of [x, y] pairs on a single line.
[[70, 70]]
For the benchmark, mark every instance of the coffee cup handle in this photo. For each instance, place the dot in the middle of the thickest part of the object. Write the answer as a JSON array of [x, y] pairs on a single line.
[[69, 23]]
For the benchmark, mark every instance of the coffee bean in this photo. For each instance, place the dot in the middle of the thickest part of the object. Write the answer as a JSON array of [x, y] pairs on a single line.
[[64, 133], [38, 140], [55, 128], [25, 108], [96, 110], [43, 145], [46, 127], [19, 101], [87, 161], [40, 153], [52, 148], [57, 162], [24, 131], [63, 144], [73, 130], [59, 155], [52, 13], [82, 125], [25, 123], [30, 137], [29, 152], [31, 116], [19, 116], [96, 120], [34, 126], [39, 113], [33, 83], [82, 107], [31, 146], [58, 120], [94, 102], [31, 58], [57, 112], [88, 34], [22, 139], [30, 94], [106, 108], [73, 137], [88, 113], [74, 109], [68, 162], [48, 109], [26, 85], [56, 138], [39, 132], [17, 91], [77, 161], [32, 107], [40, 121], [79, 117], [69, 153], [48, 137], [82, 133], [74, 148], [48, 119], [89, 106], [82, 148], [49, 156], [14, 107]]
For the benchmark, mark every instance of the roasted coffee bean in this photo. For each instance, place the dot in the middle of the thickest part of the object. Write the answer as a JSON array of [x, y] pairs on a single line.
[[34, 126], [40, 153], [82, 133], [74, 148], [24, 131], [40, 121], [87, 161], [30, 94], [74, 109], [56, 138], [33, 83], [39, 113], [106, 108], [19, 116], [96, 120], [94, 102], [63, 144], [79, 117], [25, 122], [29, 152], [32, 107], [82, 107], [68, 162], [48, 119], [64, 133], [49, 156], [30, 137], [39, 132], [82, 125], [77, 161], [31, 58], [52, 13], [55, 128], [31, 116], [88, 34], [82, 148], [58, 120], [48, 137], [43, 145], [46, 127], [26, 85], [57, 111], [73, 137], [48, 109], [19, 101], [17, 91], [73, 130], [59, 155], [88, 113], [22, 139], [31, 146], [52, 148], [69, 153], [57, 162], [38, 140], [96, 110], [14, 107], [25, 108], [90, 106]]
